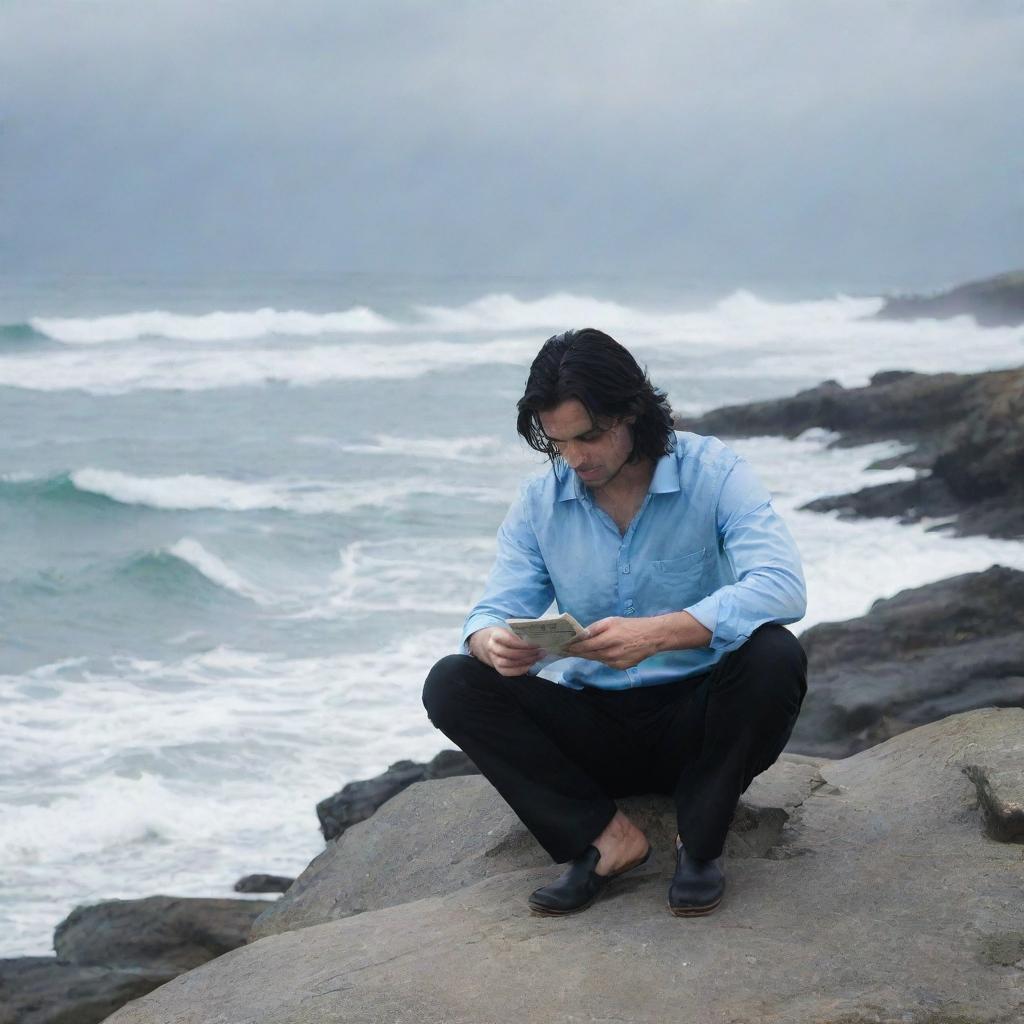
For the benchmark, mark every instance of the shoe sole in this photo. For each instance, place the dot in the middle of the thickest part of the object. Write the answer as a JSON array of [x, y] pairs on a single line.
[[549, 912], [694, 911]]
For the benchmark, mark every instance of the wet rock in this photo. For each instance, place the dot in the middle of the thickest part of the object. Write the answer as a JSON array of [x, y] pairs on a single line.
[[163, 933], [263, 883], [903, 405], [43, 990], [917, 657], [358, 800]]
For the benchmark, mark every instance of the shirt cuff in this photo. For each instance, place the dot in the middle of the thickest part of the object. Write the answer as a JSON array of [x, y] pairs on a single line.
[[476, 622], [706, 613]]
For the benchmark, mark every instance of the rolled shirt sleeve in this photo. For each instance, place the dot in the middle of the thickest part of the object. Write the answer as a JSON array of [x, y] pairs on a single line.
[[519, 586], [764, 559]]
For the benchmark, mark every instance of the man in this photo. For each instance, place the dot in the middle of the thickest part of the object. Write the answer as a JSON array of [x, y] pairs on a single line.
[[668, 549]]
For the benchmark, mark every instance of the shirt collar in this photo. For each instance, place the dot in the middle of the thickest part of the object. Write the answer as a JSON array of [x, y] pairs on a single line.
[[666, 475], [569, 484]]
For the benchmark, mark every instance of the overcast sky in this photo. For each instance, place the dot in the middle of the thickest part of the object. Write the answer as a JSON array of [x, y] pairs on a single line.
[[760, 140]]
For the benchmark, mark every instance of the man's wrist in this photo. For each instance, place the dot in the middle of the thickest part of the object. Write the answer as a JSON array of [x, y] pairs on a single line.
[[679, 631]]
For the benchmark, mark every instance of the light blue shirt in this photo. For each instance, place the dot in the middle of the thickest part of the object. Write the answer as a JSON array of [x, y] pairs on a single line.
[[706, 540]]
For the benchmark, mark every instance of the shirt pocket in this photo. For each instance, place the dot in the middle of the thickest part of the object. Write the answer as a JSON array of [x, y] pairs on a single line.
[[672, 584]]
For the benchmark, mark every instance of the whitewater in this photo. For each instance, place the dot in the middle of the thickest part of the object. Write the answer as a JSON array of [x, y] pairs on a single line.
[[237, 533]]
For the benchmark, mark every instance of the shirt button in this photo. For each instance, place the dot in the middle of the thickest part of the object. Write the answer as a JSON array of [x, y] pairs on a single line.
[[631, 610], [625, 568]]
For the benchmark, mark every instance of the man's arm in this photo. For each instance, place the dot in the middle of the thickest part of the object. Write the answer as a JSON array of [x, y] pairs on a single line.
[[518, 587], [769, 583], [769, 586]]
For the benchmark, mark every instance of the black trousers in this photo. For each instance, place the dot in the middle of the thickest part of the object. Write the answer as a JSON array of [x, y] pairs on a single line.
[[559, 756]]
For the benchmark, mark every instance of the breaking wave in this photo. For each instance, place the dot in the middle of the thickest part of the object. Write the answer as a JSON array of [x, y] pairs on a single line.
[[216, 326], [835, 338], [192, 492], [187, 561]]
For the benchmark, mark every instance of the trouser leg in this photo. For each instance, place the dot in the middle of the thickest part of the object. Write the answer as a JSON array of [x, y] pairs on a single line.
[[749, 705], [543, 747]]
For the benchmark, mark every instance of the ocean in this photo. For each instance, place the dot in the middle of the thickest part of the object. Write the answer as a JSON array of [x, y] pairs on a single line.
[[242, 518]]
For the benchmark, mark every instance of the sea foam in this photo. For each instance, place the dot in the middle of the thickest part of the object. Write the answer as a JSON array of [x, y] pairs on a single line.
[[833, 338], [216, 326], [123, 809]]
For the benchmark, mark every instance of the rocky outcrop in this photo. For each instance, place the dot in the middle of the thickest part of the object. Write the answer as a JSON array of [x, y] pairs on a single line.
[[469, 835], [358, 800], [109, 953], [900, 404], [994, 301], [966, 433], [159, 932], [42, 990], [882, 893], [914, 658]]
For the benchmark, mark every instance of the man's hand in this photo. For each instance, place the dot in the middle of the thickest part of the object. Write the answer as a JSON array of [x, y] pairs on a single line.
[[506, 653], [620, 642], [617, 642]]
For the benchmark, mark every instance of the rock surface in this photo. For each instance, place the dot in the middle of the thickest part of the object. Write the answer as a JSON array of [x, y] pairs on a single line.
[[914, 658], [992, 302], [967, 433], [42, 990], [882, 897], [159, 932], [471, 835], [358, 800]]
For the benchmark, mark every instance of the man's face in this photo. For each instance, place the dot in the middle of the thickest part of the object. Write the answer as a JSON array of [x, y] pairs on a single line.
[[597, 451]]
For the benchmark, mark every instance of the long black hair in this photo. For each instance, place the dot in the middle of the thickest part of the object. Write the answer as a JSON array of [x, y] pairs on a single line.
[[598, 372]]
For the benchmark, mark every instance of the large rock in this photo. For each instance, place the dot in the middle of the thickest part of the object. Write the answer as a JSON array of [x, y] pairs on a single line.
[[356, 801], [165, 933], [967, 433], [992, 302], [886, 896], [468, 834], [914, 658], [43, 990]]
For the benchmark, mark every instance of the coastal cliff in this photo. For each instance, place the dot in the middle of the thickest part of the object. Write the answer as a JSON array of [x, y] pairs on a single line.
[[993, 302]]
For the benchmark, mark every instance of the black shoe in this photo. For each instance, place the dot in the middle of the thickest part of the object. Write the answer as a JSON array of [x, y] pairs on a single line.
[[578, 886], [697, 885]]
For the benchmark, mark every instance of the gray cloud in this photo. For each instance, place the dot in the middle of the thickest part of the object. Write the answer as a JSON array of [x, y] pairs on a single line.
[[751, 141]]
